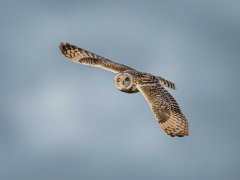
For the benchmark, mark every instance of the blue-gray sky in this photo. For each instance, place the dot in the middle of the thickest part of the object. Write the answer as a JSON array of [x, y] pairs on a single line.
[[61, 120]]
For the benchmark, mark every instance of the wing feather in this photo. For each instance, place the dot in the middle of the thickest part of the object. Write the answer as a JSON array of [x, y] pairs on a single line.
[[82, 56], [165, 109]]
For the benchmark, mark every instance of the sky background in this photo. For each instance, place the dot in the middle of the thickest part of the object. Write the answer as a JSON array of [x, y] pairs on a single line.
[[61, 120]]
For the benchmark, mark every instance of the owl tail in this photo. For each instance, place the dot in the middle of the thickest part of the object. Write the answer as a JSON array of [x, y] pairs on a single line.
[[166, 83]]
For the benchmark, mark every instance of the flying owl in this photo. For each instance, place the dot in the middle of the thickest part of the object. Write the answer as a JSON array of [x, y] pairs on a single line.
[[129, 80]]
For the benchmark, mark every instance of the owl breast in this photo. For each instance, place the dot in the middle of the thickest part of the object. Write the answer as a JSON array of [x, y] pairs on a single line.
[[125, 82]]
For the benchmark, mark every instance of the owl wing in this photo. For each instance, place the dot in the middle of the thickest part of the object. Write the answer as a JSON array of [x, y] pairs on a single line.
[[165, 108], [82, 56]]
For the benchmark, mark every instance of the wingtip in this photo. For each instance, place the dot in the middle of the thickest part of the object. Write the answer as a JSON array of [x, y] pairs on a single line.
[[173, 132], [61, 46], [179, 135]]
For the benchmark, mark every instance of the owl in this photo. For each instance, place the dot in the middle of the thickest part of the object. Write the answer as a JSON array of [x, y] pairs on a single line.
[[128, 80]]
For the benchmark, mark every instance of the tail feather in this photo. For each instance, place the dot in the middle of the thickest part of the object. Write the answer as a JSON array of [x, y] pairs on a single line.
[[166, 83]]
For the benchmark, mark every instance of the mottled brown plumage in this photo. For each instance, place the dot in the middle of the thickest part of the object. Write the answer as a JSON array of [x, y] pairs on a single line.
[[128, 80]]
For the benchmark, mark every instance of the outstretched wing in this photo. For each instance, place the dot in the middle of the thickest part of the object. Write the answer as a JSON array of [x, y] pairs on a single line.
[[165, 108], [82, 56]]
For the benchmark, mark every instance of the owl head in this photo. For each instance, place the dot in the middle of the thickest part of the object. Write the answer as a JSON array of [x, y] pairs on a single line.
[[123, 81]]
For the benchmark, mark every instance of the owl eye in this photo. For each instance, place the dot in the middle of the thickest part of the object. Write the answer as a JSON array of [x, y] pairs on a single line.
[[127, 79], [118, 79]]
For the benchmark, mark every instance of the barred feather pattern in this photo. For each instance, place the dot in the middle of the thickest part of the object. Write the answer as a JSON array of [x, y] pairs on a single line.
[[82, 56], [166, 83], [164, 107]]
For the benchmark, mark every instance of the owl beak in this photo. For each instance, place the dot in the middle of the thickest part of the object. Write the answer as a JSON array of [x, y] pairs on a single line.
[[123, 83]]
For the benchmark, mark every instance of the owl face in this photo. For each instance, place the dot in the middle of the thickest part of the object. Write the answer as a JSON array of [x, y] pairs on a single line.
[[123, 81]]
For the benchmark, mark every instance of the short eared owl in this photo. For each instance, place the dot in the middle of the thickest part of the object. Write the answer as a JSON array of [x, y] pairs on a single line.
[[129, 80]]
